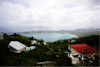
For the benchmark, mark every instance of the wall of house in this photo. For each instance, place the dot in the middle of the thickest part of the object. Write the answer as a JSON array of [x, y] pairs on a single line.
[[72, 50], [16, 51], [69, 47], [12, 49], [23, 49]]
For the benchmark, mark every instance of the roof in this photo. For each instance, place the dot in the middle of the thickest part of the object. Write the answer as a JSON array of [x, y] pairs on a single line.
[[33, 41], [17, 45], [45, 43], [83, 47]]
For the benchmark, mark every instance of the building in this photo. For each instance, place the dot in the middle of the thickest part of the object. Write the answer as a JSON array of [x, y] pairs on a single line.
[[33, 41], [44, 43], [80, 49], [1, 36], [16, 47]]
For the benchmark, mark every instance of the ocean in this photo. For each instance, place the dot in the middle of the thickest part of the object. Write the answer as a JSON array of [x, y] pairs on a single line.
[[49, 36]]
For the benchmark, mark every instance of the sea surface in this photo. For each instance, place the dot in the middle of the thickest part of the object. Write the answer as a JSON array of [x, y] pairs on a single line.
[[49, 36]]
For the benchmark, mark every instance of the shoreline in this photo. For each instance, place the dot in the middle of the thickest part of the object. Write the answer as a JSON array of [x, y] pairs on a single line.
[[73, 35]]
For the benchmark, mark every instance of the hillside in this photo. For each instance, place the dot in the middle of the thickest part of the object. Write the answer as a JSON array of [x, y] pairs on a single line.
[[56, 51], [32, 57]]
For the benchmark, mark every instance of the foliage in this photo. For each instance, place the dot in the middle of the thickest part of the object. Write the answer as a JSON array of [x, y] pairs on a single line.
[[92, 41], [57, 51], [25, 58], [16, 37], [96, 61]]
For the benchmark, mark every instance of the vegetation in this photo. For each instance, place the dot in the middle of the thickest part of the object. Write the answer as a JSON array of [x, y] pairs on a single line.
[[54, 51], [93, 41], [31, 58]]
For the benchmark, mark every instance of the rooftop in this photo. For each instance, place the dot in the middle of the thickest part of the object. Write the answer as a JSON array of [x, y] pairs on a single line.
[[83, 47], [17, 45]]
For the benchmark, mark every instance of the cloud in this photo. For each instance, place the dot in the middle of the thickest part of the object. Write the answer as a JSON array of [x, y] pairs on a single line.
[[55, 14]]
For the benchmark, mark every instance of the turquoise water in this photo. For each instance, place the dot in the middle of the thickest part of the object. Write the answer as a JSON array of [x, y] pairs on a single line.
[[31, 47], [48, 36], [68, 52]]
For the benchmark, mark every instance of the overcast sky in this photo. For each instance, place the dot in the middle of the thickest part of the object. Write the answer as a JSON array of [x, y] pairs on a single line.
[[49, 14]]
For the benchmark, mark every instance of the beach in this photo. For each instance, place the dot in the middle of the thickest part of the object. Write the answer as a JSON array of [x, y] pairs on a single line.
[[73, 35]]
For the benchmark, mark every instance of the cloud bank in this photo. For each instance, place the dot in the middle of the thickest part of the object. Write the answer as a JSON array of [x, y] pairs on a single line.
[[24, 15]]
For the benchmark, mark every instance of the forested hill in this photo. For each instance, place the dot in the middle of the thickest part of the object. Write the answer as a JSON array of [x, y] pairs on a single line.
[[85, 32], [92, 40]]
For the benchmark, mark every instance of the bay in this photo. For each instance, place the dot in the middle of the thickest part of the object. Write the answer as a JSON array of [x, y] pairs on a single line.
[[49, 36]]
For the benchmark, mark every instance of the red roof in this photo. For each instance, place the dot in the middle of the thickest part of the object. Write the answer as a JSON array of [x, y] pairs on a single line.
[[83, 47]]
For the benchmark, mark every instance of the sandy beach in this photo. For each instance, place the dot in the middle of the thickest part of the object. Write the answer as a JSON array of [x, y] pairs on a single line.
[[73, 35]]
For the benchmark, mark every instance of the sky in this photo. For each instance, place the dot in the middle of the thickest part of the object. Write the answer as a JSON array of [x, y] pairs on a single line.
[[30, 15]]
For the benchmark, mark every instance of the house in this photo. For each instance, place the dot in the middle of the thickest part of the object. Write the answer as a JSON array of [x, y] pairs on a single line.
[[80, 49], [1, 36], [16, 47], [33, 41], [45, 43]]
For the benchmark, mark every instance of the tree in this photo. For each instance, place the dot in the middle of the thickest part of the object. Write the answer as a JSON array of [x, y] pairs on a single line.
[[96, 60], [15, 34]]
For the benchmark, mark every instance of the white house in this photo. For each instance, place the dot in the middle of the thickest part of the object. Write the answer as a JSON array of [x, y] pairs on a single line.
[[45, 43], [16, 47], [33, 41], [1, 36]]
